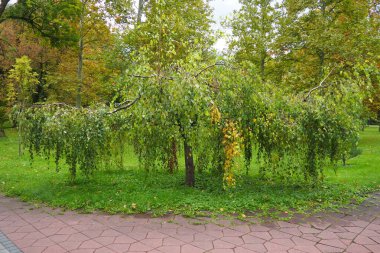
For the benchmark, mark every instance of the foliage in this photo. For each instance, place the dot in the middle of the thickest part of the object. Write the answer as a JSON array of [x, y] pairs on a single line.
[[81, 137], [22, 83], [158, 193]]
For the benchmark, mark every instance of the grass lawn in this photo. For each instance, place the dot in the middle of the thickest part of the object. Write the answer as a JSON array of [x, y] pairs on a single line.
[[134, 191]]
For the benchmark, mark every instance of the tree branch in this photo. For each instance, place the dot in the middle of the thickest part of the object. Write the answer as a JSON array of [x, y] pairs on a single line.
[[3, 5], [126, 106], [208, 67], [320, 86]]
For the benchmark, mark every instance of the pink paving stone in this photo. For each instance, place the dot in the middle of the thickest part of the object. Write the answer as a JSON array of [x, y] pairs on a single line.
[[92, 233], [252, 239], [70, 245], [104, 240], [49, 231], [23, 243], [356, 248], [54, 249], [221, 251], [346, 235], [67, 231], [154, 243], [369, 233], [137, 235], [291, 231], [214, 233], [243, 250], [77, 237], [59, 238], [203, 237], [44, 242], [311, 237], [155, 235], [354, 229], [242, 228], [124, 239], [110, 232], [285, 242], [119, 247], [279, 235], [328, 249], [138, 246], [373, 248], [375, 227], [33, 249], [82, 251], [274, 247], [170, 241], [203, 245], [259, 228], [219, 244], [233, 239], [90, 244], [307, 249], [190, 249], [184, 238], [307, 230], [320, 225], [170, 249], [104, 250], [327, 235], [35, 236], [333, 243], [375, 238], [16, 236], [363, 240], [26, 229], [283, 224], [262, 235], [232, 232], [295, 251]]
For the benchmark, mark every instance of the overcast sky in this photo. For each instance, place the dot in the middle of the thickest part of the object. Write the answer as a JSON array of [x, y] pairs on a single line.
[[223, 8]]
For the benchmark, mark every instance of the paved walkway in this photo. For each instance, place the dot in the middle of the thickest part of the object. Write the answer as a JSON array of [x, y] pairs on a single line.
[[47, 230]]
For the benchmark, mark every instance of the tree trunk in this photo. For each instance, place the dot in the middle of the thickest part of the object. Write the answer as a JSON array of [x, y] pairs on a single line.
[[140, 11], [2, 133], [189, 165], [3, 4], [80, 59], [173, 160]]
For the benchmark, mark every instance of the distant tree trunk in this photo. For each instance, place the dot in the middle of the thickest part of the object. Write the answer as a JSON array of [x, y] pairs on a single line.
[[2, 133], [189, 165], [80, 59], [140, 11], [173, 160], [3, 4]]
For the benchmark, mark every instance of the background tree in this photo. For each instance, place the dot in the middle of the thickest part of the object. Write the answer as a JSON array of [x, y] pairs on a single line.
[[253, 33]]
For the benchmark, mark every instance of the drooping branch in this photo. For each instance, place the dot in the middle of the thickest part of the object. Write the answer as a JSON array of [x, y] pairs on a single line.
[[126, 105], [321, 85], [51, 104], [209, 67]]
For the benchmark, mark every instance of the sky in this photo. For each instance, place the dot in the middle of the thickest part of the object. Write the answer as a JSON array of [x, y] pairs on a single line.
[[223, 8]]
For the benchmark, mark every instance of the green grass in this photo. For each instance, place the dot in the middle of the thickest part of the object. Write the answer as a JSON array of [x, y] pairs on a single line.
[[134, 191]]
